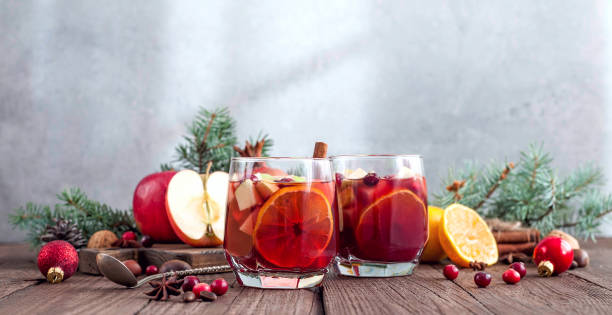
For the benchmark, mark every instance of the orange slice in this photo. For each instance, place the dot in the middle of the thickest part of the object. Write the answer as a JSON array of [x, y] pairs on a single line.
[[465, 237], [393, 228], [293, 227], [433, 251]]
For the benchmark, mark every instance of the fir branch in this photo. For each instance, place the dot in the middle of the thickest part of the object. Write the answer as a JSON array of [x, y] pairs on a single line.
[[210, 139], [88, 215], [494, 187], [532, 194]]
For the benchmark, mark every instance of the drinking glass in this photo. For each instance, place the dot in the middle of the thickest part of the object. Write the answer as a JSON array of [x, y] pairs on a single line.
[[382, 214], [281, 221]]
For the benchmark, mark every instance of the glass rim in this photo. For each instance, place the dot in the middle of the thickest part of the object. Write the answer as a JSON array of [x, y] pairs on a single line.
[[275, 158], [375, 156]]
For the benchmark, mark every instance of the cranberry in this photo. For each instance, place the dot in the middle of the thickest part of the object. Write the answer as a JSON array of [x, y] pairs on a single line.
[[285, 180], [254, 178], [339, 178], [520, 268], [219, 286], [451, 272], [146, 241], [200, 287], [189, 283], [511, 276], [482, 279], [371, 179], [129, 236], [151, 270]]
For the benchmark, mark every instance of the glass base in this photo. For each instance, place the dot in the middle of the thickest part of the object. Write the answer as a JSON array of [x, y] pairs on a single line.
[[279, 280], [363, 268]]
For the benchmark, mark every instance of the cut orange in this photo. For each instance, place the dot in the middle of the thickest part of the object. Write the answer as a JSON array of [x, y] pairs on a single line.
[[393, 228], [465, 237], [433, 251], [293, 227]]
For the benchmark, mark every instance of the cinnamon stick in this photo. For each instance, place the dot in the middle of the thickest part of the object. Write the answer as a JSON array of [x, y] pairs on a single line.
[[320, 150], [526, 248], [517, 236]]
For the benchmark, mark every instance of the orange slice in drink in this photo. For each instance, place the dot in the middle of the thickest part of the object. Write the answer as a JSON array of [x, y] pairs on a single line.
[[465, 237], [393, 228], [293, 227]]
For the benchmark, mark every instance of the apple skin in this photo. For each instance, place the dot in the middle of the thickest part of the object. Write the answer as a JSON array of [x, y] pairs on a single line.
[[269, 170], [149, 206]]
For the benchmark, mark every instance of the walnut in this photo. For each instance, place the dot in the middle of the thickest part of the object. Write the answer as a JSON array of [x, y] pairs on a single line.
[[102, 239]]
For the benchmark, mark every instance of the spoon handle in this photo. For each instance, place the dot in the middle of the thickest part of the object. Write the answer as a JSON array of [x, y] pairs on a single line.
[[182, 273]]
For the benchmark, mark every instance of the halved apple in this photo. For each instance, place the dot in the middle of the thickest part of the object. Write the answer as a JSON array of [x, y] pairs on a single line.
[[196, 211]]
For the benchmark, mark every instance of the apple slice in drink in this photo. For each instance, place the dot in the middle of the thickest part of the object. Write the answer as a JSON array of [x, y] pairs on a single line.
[[198, 215]]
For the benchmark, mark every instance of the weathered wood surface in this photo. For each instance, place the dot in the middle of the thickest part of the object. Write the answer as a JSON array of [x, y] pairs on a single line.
[[157, 255], [583, 291]]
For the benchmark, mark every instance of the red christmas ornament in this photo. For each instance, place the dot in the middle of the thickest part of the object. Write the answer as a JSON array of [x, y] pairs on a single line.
[[58, 260], [553, 255]]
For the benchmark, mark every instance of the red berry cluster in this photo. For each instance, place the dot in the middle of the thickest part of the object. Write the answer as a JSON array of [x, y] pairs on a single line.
[[482, 279], [193, 289]]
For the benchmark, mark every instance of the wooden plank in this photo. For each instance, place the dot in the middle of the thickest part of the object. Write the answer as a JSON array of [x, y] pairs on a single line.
[[77, 295], [17, 268], [599, 270], [160, 253], [241, 300], [87, 257], [426, 291], [560, 294]]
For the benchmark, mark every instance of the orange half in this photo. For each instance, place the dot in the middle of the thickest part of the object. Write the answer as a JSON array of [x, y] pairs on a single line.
[[293, 227], [465, 237]]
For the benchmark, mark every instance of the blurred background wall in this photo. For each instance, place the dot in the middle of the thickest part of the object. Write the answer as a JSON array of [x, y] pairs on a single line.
[[96, 95]]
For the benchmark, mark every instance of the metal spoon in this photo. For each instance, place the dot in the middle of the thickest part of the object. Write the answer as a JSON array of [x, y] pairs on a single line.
[[115, 271]]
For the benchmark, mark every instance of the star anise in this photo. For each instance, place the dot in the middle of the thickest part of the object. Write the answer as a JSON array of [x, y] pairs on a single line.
[[162, 290], [126, 244]]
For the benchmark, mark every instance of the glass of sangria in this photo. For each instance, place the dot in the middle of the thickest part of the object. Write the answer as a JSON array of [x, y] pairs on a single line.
[[382, 214], [280, 227]]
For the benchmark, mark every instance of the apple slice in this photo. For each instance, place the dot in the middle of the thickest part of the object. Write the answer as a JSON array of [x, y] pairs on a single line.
[[197, 216], [405, 172], [357, 174], [246, 195]]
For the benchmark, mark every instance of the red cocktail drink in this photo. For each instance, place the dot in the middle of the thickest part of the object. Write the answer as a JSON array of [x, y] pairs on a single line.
[[280, 229], [382, 214]]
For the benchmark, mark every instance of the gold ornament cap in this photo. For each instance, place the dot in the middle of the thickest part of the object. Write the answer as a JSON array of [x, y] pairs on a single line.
[[545, 268], [55, 275]]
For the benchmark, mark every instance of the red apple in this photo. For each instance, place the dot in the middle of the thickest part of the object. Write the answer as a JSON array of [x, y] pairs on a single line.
[[196, 212], [150, 207]]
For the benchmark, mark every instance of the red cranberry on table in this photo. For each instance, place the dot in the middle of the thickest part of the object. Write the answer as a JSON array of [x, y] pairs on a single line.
[[511, 276], [129, 236], [146, 241], [450, 272], [371, 179], [482, 279], [189, 283], [219, 286], [200, 287], [151, 270], [553, 255], [520, 268]]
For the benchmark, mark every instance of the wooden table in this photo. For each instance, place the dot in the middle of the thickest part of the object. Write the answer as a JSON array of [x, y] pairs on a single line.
[[23, 290]]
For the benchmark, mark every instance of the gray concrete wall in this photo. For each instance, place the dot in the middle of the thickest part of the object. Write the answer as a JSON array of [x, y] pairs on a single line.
[[96, 95]]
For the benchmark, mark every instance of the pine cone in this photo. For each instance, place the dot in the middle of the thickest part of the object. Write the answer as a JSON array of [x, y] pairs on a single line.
[[66, 231]]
